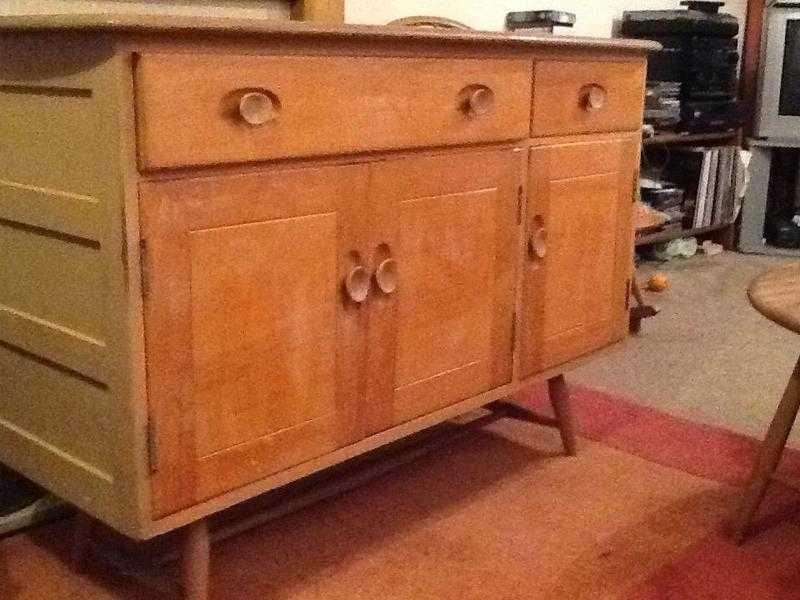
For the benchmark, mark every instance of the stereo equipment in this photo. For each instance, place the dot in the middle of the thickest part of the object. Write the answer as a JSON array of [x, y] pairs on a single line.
[[700, 54], [715, 115]]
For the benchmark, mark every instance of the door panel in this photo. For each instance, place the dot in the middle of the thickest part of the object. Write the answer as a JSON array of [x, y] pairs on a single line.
[[255, 357], [445, 335], [578, 250], [447, 267], [291, 356]]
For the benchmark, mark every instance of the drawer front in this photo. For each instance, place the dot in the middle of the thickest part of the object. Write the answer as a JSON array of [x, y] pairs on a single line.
[[205, 109], [586, 97]]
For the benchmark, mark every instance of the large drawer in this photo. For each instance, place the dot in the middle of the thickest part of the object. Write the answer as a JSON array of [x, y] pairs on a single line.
[[197, 109], [586, 97]]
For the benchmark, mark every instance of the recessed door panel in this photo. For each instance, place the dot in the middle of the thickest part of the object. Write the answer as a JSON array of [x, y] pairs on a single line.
[[263, 330], [447, 249], [254, 350], [449, 222]]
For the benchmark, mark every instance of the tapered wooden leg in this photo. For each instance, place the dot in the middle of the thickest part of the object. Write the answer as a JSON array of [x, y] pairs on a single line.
[[195, 561], [769, 455], [559, 398], [82, 526]]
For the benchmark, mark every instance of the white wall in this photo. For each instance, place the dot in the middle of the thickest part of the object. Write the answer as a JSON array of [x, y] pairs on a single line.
[[594, 17], [255, 9]]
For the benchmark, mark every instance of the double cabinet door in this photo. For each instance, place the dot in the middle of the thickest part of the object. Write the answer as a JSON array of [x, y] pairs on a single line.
[[294, 311]]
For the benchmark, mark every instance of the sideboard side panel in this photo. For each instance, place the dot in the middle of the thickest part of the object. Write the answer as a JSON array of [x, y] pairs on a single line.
[[64, 354]]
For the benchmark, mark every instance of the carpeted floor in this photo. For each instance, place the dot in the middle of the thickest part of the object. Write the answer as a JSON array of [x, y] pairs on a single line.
[[499, 513], [708, 356]]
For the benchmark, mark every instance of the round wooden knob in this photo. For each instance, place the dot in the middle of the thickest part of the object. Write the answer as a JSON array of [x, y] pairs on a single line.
[[256, 108], [594, 97], [537, 243], [478, 100], [386, 276], [356, 284]]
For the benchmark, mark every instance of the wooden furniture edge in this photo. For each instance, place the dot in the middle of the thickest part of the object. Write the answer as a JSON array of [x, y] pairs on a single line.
[[782, 283], [665, 236], [244, 168], [769, 456], [691, 138], [123, 22]]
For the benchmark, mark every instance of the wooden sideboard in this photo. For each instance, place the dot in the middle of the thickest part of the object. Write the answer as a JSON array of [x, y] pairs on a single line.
[[235, 253]]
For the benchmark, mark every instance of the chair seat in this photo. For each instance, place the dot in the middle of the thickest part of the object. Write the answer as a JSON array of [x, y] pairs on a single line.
[[776, 295]]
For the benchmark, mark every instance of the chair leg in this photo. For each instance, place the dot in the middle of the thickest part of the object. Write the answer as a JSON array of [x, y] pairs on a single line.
[[195, 561], [82, 526], [559, 399], [769, 455]]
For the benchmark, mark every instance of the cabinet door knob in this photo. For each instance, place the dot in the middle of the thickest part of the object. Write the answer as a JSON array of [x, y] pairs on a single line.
[[256, 108], [477, 100], [356, 284], [594, 97], [386, 276], [537, 243]]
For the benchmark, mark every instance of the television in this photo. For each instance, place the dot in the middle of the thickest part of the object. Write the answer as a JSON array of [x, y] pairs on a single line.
[[779, 104]]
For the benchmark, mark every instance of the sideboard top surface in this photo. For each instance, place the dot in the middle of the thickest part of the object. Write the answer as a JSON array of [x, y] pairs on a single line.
[[146, 21]]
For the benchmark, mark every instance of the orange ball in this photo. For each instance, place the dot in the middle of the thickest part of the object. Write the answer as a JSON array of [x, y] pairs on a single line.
[[657, 283]]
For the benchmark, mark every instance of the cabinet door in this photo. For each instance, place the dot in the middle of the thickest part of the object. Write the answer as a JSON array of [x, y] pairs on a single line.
[[449, 223], [254, 352], [578, 250]]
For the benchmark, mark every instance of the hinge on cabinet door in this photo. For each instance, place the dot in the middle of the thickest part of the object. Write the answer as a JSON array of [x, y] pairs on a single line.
[[513, 331], [143, 267], [519, 205], [628, 294], [152, 446]]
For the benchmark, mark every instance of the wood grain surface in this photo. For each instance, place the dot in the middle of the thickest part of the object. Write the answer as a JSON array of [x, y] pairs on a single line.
[[188, 105], [151, 21], [776, 295]]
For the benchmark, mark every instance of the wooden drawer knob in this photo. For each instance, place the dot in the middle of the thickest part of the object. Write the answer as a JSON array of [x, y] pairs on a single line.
[[477, 100], [386, 276], [356, 284], [537, 242], [594, 97], [257, 108]]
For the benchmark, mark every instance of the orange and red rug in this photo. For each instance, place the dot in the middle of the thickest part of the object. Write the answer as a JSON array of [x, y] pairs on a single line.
[[499, 514], [767, 565]]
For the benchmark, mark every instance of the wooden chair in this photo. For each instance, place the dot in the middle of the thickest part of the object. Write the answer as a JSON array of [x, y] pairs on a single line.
[[776, 295]]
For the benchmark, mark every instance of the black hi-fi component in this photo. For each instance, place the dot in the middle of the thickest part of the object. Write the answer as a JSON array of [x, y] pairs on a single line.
[[700, 53]]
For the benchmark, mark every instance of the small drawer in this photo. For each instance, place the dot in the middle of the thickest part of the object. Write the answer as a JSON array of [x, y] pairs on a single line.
[[586, 97], [203, 109]]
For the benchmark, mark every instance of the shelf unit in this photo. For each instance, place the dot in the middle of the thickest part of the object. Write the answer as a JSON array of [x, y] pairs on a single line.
[[721, 233], [655, 237], [690, 138]]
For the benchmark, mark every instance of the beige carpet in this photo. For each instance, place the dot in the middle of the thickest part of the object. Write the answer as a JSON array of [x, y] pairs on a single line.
[[708, 357]]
